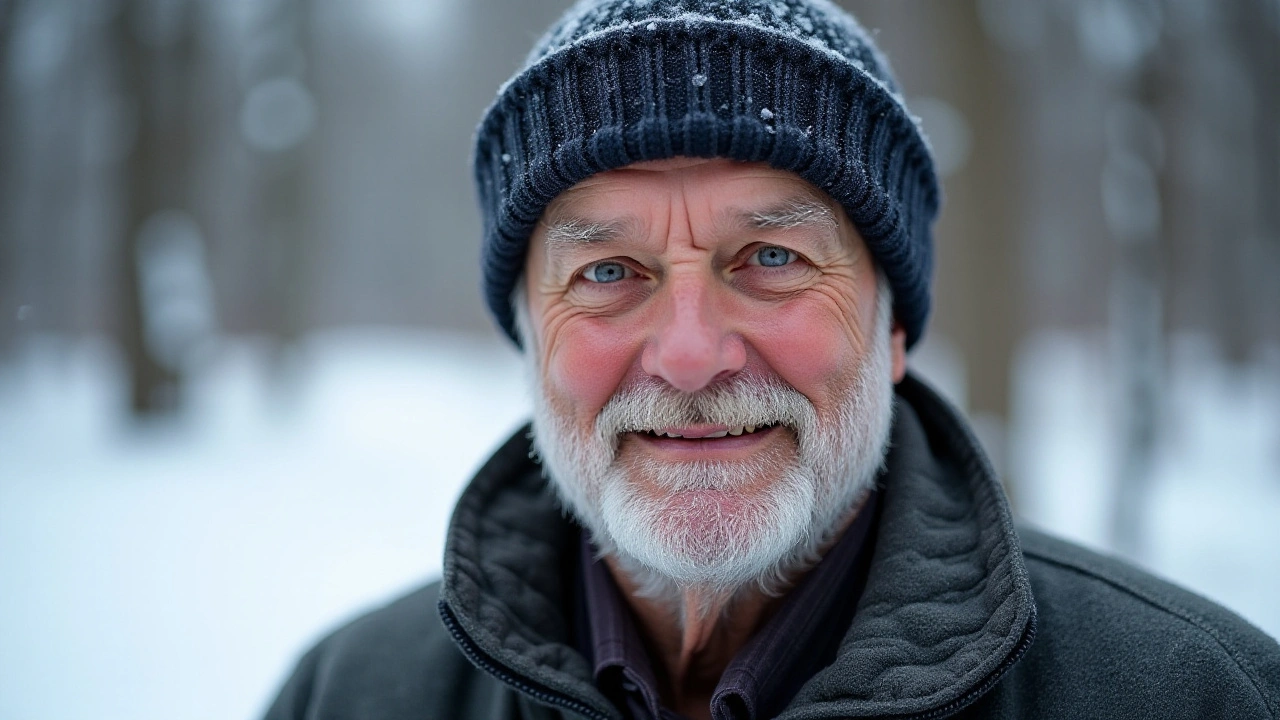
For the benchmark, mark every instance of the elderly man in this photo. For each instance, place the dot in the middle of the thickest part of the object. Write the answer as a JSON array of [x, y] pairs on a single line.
[[707, 224]]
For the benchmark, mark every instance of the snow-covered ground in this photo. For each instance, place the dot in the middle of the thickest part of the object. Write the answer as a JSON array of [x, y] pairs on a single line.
[[176, 571]]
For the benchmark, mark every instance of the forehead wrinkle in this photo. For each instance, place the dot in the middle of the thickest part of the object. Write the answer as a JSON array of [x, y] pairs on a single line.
[[566, 223]]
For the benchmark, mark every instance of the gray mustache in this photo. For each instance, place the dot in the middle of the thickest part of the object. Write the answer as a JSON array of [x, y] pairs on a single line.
[[739, 400]]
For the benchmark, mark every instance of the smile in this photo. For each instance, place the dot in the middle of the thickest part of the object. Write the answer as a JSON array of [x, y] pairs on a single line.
[[708, 442], [708, 434]]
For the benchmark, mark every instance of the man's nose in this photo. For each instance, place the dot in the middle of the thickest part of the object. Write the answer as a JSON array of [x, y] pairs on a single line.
[[694, 344]]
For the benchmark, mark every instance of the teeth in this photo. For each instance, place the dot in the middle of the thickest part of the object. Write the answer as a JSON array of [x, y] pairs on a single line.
[[734, 431]]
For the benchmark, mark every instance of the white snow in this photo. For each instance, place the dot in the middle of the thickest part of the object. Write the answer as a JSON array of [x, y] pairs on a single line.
[[177, 571]]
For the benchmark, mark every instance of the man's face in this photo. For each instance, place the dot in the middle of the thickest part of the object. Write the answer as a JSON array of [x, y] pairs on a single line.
[[713, 379]]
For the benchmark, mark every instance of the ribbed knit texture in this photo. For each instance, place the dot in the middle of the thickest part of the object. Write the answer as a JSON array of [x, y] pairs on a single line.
[[794, 83]]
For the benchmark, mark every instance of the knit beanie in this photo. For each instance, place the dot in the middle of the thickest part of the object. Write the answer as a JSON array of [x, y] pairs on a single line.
[[797, 84]]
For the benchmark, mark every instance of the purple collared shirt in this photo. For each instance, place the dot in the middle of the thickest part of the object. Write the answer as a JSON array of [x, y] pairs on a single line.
[[801, 638]]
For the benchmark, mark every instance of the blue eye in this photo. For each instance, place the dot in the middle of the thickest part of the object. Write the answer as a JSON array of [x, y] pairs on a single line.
[[774, 256], [606, 272]]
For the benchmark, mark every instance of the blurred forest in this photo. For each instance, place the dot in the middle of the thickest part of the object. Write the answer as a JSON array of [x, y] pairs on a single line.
[[173, 172]]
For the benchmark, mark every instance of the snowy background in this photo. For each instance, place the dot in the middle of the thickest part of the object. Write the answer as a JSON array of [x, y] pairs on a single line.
[[178, 571], [245, 367]]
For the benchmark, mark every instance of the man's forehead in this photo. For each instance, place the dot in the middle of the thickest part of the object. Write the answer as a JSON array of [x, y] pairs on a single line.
[[608, 193]]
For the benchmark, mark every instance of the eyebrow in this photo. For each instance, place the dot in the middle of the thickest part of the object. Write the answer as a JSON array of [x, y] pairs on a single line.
[[577, 231], [793, 213], [789, 214]]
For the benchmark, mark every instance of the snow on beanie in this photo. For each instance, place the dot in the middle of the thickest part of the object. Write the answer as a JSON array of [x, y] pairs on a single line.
[[797, 84]]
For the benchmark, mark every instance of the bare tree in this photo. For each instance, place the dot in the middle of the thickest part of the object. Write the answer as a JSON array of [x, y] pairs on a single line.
[[8, 12], [154, 40]]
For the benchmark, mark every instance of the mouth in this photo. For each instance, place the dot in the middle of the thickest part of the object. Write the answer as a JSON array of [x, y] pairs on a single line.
[[709, 432], [707, 441]]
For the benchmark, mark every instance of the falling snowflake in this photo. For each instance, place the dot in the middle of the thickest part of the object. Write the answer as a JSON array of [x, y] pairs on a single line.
[[699, 80]]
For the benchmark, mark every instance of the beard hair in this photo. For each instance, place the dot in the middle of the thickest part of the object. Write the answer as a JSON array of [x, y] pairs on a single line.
[[705, 535]]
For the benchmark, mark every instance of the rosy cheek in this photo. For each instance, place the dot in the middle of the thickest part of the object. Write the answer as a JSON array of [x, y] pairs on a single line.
[[589, 359], [806, 345]]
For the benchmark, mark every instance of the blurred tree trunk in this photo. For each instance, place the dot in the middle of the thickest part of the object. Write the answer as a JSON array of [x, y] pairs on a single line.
[[1259, 26], [8, 244], [993, 297], [286, 188], [155, 44], [284, 174], [1135, 179]]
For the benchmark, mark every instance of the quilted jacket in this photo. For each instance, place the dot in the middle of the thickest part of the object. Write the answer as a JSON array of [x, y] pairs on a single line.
[[963, 615]]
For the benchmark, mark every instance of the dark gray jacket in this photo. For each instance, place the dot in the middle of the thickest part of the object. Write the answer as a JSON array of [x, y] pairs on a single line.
[[962, 616]]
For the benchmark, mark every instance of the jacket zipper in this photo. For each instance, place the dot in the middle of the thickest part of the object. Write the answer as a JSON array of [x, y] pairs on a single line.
[[482, 660]]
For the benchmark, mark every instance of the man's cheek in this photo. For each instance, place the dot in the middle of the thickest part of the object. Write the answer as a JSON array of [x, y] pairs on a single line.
[[588, 364], [805, 347]]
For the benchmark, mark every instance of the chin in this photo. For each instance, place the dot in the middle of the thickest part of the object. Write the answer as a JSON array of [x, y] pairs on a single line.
[[709, 538]]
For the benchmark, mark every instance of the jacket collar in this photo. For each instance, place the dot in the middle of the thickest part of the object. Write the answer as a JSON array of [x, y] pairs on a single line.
[[947, 608]]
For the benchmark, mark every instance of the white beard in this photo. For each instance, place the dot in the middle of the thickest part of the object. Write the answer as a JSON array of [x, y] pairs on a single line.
[[706, 531]]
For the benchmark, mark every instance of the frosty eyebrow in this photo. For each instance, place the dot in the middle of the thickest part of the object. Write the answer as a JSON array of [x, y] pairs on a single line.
[[792, 213], [797, 212], [577, 231]]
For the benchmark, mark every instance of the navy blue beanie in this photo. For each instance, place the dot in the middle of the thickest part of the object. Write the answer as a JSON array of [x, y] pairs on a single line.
[[797, 84]]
